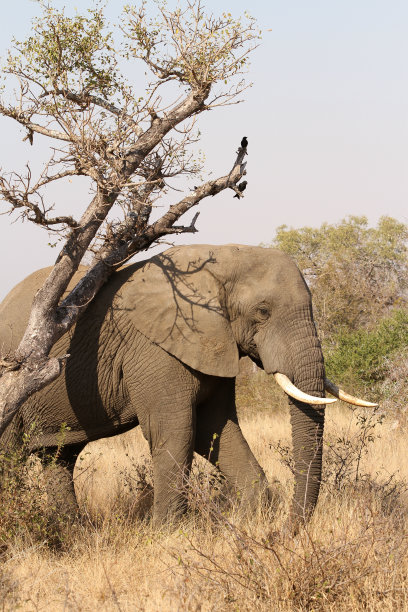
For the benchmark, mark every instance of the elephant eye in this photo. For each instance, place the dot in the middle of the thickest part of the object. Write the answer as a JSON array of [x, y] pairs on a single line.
[[263, 312]]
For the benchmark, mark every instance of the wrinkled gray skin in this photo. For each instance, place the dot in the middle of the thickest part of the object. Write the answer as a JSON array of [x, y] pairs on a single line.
[[159, 347]]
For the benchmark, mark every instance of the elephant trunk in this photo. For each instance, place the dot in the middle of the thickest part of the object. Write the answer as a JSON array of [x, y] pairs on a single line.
[[307, 424], [297, 355], [307, 435]]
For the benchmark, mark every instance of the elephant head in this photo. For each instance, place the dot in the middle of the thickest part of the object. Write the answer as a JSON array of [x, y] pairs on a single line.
[[209, 305]]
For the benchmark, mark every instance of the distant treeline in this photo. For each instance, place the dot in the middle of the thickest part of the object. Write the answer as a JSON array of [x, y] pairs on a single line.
[[358, 276]]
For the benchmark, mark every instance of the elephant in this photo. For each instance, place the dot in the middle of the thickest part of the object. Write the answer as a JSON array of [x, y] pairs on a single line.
[[159, 347]]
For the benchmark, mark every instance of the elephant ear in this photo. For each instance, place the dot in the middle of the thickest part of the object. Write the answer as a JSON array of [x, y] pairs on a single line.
[[176, 301]]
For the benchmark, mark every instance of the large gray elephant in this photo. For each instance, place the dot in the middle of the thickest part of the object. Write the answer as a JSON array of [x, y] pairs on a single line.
[[159, 347]]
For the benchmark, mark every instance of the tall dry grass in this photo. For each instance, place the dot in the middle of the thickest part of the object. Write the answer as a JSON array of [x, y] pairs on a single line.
[[352, 555]]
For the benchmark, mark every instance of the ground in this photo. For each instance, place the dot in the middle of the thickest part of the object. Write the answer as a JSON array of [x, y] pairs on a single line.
[[352, 556]]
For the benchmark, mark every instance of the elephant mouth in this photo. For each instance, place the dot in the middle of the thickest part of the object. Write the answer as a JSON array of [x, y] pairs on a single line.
[[291, 389]]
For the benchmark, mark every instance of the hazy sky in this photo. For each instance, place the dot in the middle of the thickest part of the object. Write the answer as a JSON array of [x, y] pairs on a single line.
[[326, 121]]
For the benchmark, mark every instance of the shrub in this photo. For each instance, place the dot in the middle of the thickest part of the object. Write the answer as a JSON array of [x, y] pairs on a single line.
[[357, 274], [361, 356], [21, 512], [26, 516], [394, 388]]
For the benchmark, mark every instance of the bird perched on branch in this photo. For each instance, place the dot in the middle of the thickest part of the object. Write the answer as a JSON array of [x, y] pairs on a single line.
[[241, 187], [244, 142], [29, 136]]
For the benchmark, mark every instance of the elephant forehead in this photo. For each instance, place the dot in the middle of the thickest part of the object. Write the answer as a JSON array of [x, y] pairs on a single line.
[[272, 286]]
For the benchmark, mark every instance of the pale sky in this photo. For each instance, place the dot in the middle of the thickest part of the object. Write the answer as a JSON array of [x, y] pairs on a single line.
[[326, 121]]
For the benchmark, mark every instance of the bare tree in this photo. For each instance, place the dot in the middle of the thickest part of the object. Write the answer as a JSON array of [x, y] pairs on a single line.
[[71, 89]]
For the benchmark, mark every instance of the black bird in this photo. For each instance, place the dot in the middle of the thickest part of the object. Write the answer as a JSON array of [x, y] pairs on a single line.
[[241, 187], [244, 142], [30, 136]]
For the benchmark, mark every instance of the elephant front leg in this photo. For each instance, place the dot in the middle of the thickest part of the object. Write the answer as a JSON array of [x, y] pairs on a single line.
[[171, 446], [170, 474]]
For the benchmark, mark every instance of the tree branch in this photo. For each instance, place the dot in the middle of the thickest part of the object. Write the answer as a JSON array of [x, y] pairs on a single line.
[[126, 242], [184, 229], [34, 127], [20, 199], [85, 99]]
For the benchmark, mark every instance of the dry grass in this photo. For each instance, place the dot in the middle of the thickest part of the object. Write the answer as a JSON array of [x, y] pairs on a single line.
[[352, 556]]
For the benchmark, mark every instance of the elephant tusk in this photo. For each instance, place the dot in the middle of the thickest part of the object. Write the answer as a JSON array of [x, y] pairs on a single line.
[[346, 397], [289, 388]]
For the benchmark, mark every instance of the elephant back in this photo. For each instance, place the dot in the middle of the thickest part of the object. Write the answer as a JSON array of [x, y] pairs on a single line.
[[16, 306]]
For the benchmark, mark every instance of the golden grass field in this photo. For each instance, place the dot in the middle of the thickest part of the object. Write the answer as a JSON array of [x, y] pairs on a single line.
[[352, 556]]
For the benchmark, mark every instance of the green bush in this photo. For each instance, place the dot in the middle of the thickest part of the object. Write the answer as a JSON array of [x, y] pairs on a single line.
[[357, 274], [361, 356]]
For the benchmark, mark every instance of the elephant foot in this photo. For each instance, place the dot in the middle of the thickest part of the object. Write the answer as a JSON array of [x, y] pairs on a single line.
[[275, 496], [143, 503], [61, 499], [169, 510], [255, 494]]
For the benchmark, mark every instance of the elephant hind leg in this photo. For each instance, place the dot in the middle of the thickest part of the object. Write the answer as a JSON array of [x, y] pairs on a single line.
[[219, 438], [61, 498], [59, 483]]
